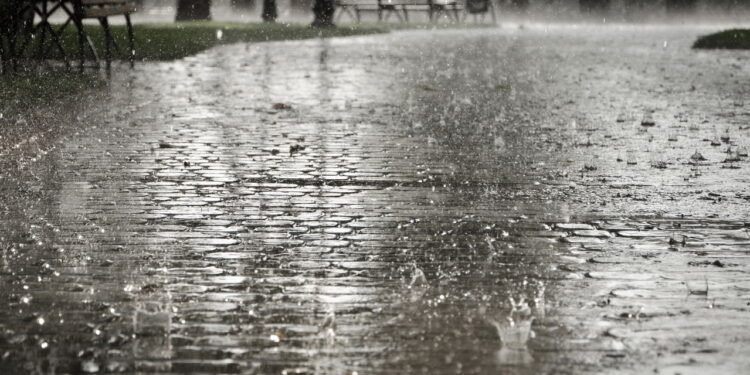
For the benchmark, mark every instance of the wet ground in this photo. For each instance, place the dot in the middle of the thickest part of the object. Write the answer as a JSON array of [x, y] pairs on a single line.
[[518, 200]]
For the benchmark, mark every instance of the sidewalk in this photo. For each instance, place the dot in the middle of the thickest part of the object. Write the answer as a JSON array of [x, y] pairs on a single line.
[[211, 219]]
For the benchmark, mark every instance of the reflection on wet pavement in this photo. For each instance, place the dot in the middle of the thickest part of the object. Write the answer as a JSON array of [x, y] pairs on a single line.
[[424, 202]]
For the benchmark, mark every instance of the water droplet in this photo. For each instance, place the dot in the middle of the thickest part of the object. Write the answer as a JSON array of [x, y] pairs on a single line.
[[418, 278], [329, 321], [89, 367], [697, 156], [499, 144]]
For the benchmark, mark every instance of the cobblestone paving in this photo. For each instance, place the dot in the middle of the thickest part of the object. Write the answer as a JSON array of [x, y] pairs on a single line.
[[216, 214]]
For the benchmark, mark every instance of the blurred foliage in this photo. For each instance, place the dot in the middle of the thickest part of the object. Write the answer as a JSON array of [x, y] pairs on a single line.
[[21, 92], [729, 39]]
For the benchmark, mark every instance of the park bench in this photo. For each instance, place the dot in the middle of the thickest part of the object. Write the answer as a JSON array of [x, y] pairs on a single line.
[[400, 8], [101, 10], [354, 8], [479, 8], [47, 37]]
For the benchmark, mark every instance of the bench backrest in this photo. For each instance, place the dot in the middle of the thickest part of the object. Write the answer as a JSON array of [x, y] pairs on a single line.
[[406, 2], [356, 2], [477, 6], [391, 2], [103, 8]]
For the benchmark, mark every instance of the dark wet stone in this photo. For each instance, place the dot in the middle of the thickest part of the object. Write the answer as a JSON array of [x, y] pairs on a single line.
[[641, 234], [230, 255], [593, 233], [574, 226], [581, 240]]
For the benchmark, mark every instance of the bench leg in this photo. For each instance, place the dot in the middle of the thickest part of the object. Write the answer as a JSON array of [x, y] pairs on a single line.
[[338, 18], [42, 25], [131, 41], [45, 27], [40, 46], [81, 42], [107, 41], [350, 11]]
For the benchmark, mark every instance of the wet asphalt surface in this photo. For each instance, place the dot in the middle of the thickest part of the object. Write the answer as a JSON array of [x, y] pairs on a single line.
[[517, 200]]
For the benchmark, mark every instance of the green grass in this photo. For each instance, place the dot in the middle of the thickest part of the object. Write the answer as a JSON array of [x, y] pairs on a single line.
[[170, 41], [21, 92], [729, 39], [176, 40]]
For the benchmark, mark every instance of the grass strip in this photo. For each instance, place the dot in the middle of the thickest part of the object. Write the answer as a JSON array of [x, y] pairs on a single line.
[[728, 39]]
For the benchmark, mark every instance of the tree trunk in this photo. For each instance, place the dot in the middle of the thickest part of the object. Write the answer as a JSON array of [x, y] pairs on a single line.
[[269, 11], [323, 11], [193, 10]]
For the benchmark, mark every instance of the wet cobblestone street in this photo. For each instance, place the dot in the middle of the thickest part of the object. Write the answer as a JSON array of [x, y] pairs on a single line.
[[383, 204]]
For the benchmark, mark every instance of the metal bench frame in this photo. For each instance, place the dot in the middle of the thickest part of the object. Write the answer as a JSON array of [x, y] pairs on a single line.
[[101, 10], [479, 9], [399, 8], [76, 11]]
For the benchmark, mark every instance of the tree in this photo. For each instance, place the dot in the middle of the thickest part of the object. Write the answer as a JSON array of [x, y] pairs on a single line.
[[323, 11], [269, 11], [193, 10]]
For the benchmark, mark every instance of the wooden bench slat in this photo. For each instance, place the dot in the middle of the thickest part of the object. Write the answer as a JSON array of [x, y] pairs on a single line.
[[405, 2], [375, 3], [107, 11], [104, 2], [402, 8]]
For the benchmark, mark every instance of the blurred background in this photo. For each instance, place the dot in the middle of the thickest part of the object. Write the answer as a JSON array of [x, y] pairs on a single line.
[[509, 10]]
